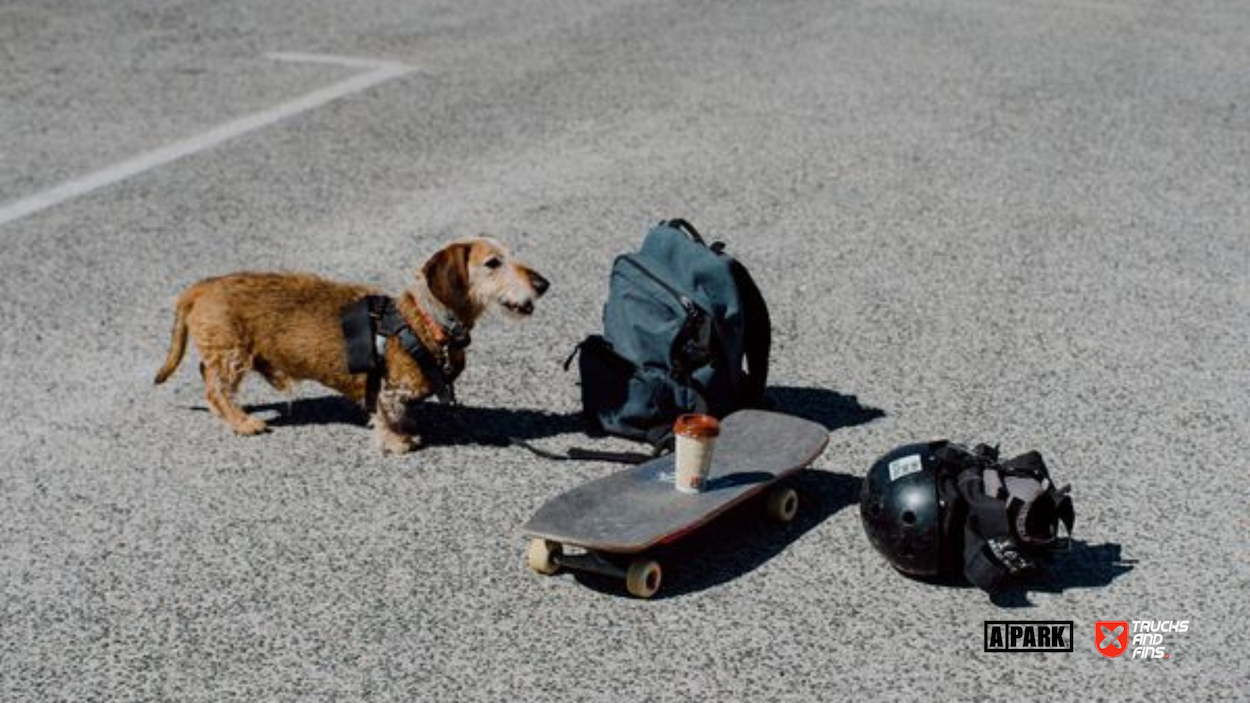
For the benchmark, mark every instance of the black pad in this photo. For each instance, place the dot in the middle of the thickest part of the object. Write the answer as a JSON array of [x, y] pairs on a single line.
[[358, 333]]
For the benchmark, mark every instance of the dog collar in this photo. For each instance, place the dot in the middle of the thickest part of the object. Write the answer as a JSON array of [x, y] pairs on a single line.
[[448, 333]]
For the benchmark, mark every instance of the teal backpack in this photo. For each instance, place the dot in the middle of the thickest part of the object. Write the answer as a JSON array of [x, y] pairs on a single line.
[[685, 329]]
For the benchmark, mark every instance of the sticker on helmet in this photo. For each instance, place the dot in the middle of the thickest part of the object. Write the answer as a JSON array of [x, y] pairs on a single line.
[[906, 466]]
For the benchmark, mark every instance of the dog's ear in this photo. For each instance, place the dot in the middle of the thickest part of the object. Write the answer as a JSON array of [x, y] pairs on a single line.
[[447, 273]]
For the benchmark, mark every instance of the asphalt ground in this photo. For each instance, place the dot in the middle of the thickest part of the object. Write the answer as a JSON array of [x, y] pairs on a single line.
[[1015, 222]]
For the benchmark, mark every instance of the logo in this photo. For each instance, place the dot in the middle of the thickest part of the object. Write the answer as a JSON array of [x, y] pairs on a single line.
[[1111, 637], [1028, 635], [1144, 638]]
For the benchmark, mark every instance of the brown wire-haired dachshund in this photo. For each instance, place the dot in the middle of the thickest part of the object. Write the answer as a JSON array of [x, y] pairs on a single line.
[[290, 327]]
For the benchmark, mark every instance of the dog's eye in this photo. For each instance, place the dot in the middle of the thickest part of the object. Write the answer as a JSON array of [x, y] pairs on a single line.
[[492, 263]]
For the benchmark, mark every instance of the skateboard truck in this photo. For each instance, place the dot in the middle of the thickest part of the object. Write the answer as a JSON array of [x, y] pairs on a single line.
[[642, 576]]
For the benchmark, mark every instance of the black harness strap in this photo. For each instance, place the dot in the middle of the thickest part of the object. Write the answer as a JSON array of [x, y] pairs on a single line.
[[370, 324], [359, 320], [439, 375], [991, 555], [378, 306]]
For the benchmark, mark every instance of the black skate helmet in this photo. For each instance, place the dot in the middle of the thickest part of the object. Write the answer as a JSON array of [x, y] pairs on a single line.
[[902, 513], [939, 508]]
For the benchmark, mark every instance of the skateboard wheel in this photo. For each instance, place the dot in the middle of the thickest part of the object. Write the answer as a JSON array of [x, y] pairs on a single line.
[[643, 578], [783, 504], [541, 556]]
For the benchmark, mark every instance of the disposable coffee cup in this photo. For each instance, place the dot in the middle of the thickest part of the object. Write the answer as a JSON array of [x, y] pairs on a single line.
[[696, 439]]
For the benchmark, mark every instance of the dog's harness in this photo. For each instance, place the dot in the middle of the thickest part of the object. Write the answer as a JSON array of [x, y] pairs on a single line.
[[375, 321]]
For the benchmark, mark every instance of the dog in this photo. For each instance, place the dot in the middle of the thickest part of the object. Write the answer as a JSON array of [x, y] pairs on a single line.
[[289, 327]]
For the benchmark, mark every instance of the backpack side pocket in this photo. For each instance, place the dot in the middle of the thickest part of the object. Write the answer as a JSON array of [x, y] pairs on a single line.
[[605, 382], [622, 399]]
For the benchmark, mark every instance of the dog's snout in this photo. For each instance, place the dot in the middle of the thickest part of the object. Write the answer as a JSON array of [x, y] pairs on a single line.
[[526, 308], [539, 283]]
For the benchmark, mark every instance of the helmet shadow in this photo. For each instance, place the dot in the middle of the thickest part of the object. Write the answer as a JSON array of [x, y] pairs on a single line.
[[1082, 565]]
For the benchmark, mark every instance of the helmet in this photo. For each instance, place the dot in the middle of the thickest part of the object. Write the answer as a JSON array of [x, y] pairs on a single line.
[[901, 510], [939, 508]]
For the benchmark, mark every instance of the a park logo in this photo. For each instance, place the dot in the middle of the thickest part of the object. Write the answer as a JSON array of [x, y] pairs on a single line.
[[1028, 635]]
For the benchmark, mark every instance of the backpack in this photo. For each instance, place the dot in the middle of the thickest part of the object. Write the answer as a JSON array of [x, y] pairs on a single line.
[[685, 329]]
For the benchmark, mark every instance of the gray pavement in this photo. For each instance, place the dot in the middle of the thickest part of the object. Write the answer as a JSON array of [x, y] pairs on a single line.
[[1022, 222]]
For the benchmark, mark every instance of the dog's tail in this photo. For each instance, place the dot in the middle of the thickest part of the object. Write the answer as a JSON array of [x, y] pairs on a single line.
[[178, 339]]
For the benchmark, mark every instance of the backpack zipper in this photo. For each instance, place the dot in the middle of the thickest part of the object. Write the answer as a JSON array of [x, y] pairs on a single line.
[[684, 300]]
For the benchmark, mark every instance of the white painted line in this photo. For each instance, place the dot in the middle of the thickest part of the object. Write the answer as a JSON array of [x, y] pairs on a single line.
[[378, 72], [350, 61]]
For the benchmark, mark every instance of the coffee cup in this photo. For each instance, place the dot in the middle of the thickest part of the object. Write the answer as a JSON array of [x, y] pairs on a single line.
[[696, 439]]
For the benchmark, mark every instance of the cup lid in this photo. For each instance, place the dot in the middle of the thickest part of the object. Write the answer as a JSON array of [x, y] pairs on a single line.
[[696, 425]]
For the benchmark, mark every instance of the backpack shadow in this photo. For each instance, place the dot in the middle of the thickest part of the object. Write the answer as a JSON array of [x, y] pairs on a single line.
[[827, 407], [741, 540]]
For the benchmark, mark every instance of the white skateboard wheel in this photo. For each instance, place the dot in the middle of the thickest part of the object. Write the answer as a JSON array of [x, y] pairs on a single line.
[[541, 556], [783, 504], [643, 578]]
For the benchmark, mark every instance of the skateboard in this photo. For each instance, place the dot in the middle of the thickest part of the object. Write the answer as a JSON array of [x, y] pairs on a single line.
[[613, 521]]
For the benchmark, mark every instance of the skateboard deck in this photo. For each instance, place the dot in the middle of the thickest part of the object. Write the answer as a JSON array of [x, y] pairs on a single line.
[[636, 509]]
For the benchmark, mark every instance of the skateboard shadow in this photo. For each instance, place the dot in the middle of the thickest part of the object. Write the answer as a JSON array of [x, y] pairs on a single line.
[[741, 540], [829, 408]]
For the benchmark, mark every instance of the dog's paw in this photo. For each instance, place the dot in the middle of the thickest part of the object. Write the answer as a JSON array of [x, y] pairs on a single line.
[[397, 444], [250, 426], [393, 442]]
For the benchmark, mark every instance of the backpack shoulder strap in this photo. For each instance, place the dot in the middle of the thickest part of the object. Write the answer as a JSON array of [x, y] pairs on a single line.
[[581, 454], [758, 334]]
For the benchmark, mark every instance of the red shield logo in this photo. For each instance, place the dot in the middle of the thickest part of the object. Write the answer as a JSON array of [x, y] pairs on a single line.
[[1111, 637]]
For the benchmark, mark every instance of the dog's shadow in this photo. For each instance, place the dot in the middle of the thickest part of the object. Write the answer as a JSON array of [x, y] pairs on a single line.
[[740, 540], [439, 425], [442, 425], [326, 410]]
